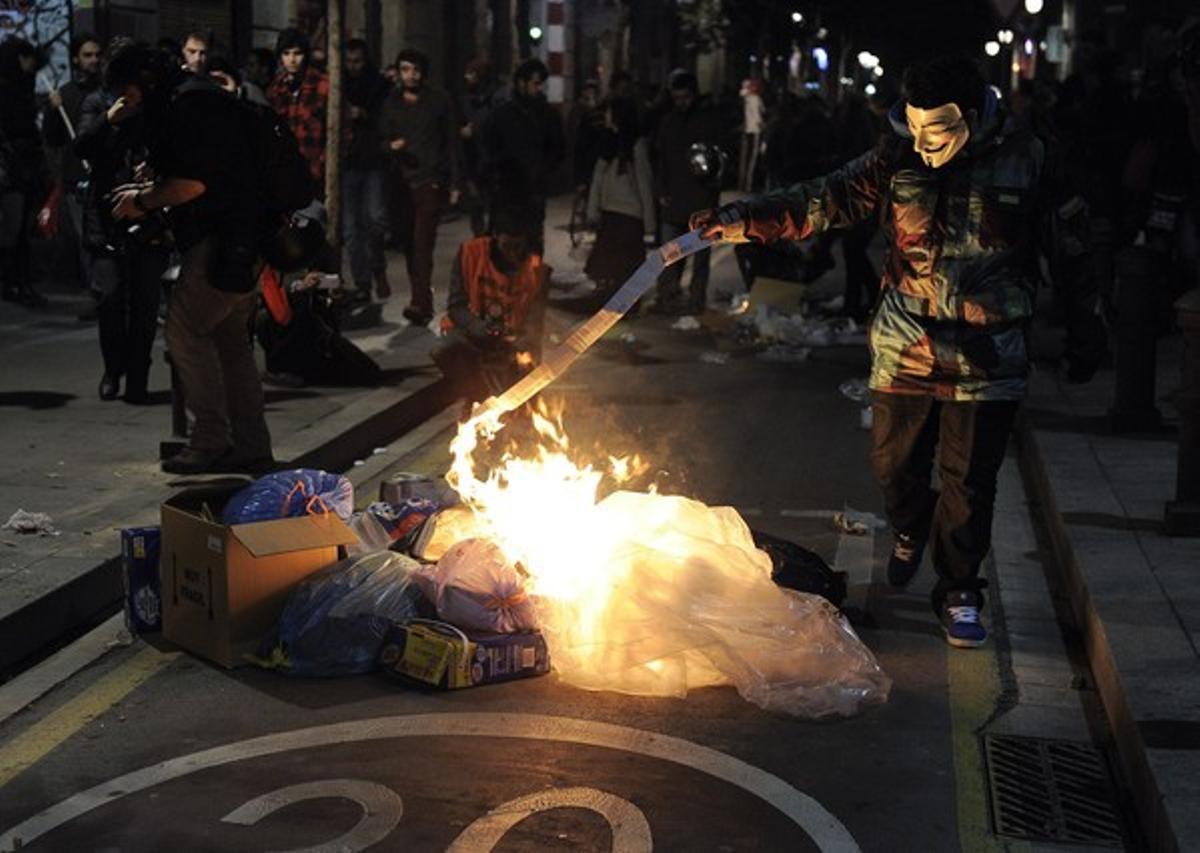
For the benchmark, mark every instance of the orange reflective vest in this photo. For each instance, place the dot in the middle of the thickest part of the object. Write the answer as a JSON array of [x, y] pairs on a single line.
[[495, 296]]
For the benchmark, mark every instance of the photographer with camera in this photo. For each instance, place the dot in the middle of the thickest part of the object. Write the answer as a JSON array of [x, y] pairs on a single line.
[[127, 261], [201, 148]]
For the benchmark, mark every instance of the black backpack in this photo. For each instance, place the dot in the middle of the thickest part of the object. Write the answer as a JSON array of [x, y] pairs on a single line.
[[286, 182]]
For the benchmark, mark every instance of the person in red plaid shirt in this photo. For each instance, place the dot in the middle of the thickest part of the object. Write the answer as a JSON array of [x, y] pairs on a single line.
[[299, 93]]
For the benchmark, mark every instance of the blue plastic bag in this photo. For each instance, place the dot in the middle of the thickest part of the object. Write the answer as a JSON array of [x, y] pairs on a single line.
[[286, 494], [334, 622]]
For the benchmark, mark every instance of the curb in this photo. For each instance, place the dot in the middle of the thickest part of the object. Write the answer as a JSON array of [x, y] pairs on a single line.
[[1131, 748], [60, 616]]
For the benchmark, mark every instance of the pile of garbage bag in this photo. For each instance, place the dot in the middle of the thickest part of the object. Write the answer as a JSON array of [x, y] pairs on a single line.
[[285, 494], [688, 597]]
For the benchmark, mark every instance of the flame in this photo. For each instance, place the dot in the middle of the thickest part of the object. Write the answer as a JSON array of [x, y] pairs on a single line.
[[541, 509]]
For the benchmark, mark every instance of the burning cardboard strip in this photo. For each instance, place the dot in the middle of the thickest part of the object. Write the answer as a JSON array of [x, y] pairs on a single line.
[[591, 330]]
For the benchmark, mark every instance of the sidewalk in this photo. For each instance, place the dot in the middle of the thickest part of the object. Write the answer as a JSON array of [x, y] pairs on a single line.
[[1135, 592]]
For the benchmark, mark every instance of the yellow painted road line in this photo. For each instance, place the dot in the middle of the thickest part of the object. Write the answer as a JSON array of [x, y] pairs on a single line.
[[973, 682], [32, 745]]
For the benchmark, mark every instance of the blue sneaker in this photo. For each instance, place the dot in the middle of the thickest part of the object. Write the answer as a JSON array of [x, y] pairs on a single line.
[[960, 620]]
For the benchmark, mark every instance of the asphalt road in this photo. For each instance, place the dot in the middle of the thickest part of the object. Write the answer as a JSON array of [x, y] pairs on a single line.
[[154, 750]]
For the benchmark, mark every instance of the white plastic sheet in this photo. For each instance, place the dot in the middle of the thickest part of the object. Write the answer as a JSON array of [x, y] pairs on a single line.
[[692, 604]]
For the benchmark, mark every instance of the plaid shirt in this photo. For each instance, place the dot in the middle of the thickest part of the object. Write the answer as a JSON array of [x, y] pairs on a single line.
[[957, 290], [304, 111]]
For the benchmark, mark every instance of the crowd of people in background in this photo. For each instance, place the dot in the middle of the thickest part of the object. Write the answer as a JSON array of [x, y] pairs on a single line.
[[642, 158]]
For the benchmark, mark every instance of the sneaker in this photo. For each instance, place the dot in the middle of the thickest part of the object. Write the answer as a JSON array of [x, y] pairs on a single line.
[[418, 316], [907, 552], [960, 620]]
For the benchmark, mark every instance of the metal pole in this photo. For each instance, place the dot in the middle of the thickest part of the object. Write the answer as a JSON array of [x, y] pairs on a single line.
[[1182, 516], [1136, 342], [333, 122]]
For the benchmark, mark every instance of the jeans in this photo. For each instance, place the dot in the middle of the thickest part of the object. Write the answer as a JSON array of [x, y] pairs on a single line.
[[969, 439], [128, 284], [364, 223], [669, 288], [420, 207], [208, 336]]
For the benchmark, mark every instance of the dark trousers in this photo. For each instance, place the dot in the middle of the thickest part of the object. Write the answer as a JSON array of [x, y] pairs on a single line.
[[969, 440], [364, 224], [128, 284], [669, 283], [208, 336], [418, 211]]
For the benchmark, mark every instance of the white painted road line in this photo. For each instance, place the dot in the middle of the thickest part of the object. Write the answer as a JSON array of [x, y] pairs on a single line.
[[825, 830]]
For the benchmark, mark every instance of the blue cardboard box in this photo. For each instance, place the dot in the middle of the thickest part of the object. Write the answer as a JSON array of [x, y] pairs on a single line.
[[140, 549]]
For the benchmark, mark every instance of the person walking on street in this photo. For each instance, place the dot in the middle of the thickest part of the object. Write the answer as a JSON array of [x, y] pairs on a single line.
[[480, 98], [683, 189], [620, 199], [364, 203], [60, 125], [203, 158], [417, 131], [300, 93], [524, 142], [127, 263], [22, 169], [753, 123], [957, 186]]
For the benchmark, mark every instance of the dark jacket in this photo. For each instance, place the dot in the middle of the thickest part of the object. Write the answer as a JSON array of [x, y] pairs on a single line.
[[678, 131], [431, 150], [360, 138], [524, 145], [18, 127], [959, 274], [113, 151], [54, 130]]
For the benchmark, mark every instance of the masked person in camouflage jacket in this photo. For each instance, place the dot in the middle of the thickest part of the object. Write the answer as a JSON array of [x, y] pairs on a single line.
[[956, 189]]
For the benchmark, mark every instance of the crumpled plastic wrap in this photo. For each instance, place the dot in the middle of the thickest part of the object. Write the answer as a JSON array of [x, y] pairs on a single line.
[[693, 605]]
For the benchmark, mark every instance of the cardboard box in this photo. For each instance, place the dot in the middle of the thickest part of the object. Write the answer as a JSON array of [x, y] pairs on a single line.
[[440, 655], [225, 586], [140, 548]]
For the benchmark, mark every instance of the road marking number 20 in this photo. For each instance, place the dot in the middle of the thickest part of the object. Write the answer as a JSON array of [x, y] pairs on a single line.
[[383, 809]]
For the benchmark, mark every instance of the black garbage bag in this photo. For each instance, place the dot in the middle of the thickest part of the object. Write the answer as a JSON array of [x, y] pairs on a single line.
[[795, 567], [335, 620]]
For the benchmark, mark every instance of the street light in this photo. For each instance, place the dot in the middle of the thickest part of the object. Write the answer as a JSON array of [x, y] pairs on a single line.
[[1033, 6], [991, 48], [878, 71], [1004, 36], [867, 59], [798, 18], [869, 89], [535, 32]]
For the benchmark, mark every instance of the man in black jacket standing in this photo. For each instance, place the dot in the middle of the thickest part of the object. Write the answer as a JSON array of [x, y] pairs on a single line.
[[524, 144], [364, 205], [202, 155], [682, 190], [418, 131]]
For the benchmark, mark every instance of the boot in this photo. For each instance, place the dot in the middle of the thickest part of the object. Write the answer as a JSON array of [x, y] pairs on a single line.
[[383, 288]]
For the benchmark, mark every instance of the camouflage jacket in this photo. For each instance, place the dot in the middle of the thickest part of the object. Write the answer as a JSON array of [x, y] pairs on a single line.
[[959, 275]]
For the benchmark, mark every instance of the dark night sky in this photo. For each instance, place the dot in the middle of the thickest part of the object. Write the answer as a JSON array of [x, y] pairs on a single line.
[[900, 31]]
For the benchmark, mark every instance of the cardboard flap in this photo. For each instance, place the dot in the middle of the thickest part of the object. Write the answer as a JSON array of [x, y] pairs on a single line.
[[264, 538]]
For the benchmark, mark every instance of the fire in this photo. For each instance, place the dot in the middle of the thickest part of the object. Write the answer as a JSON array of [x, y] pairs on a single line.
[[541, 509], [652, 594]]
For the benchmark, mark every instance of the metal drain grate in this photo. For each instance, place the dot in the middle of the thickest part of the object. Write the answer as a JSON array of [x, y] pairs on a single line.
[[1051, 790]]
